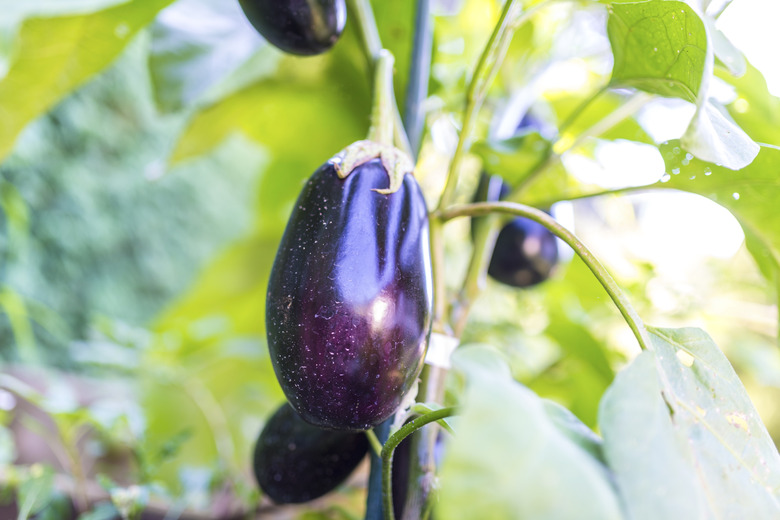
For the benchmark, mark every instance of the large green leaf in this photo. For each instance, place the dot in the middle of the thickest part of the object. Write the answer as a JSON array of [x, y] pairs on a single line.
[[195, 44], [230, 293], [683, 438], [30, 8], [510, 460], [301, 117], [308, 111], [301, 125], [35, 491], [755, 109], [662, 47], [53, 56], [659, 47]]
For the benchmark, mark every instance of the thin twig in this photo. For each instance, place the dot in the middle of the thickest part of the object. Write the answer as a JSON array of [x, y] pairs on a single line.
[[599, 271], [392, 443]]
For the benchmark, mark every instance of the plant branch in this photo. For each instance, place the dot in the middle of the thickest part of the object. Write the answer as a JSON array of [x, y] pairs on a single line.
[[616, 191], [485, 72], [392, 443], [422, 463], [475, 98], [598, 270], [372, 46], [419, 74], [374, 500], [373, 441], [381, 130]]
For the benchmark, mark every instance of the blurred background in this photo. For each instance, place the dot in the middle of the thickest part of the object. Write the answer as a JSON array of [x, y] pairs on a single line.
[[142, 206]]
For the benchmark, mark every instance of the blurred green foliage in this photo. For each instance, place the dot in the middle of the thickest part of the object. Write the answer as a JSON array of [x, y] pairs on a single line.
[[141, 213], [96, 228]]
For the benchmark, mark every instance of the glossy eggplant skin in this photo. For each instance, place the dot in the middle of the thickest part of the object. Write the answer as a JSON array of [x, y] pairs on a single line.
[[295, 462], [525, 252], [303, 27], [348, 310]]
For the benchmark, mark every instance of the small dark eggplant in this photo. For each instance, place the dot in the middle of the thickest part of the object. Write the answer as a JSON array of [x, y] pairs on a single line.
[[295, 462], [303, 27], [525, 252], [349, 302]]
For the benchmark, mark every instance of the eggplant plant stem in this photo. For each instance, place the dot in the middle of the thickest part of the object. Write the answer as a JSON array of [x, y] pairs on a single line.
[[599, 271], [372, 46], [419, 74], [374, 503], [474, 99], [382, 124], [484, 73], [392, 443], [431, 380], [373, 441]]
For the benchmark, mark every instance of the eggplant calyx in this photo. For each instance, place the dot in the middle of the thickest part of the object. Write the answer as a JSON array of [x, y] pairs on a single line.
[[396, 163]]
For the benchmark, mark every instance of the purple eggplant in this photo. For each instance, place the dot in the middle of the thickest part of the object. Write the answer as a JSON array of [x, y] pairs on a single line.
[[295, 462], [525, 252], [349, 302], [303, 27]]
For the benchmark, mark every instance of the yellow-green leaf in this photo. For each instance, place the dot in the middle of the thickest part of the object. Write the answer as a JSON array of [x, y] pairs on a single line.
[[53, 56]]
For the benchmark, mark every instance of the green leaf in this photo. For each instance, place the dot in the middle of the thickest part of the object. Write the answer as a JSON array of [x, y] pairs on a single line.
[[30, 8], [53, 56], [36, 491], [596, 110], [101, 511], [755, 109], [7, 446], [714, 137], [509, 460], [302, 117], [662, 47], [557, 183], [683, 438], [574, 429], [514, 158], [195, 44], [651, 470], [16, 213], [659, 47], [424, 408], [14, 306], [232, 287]]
